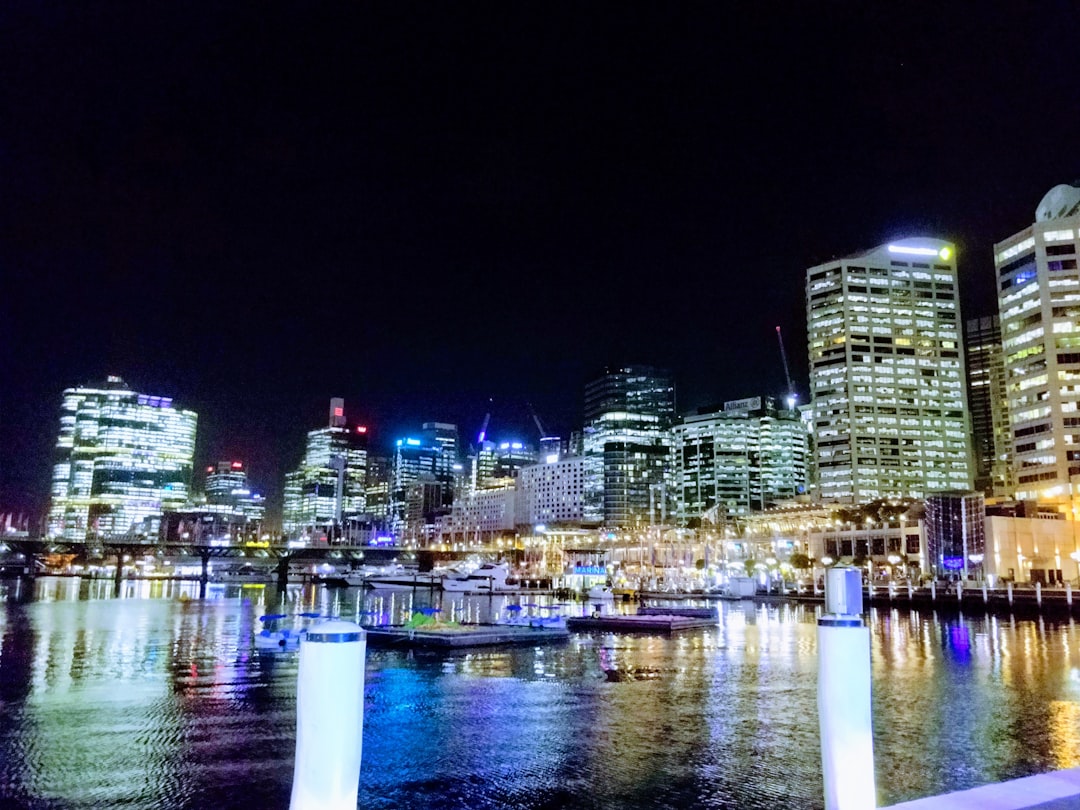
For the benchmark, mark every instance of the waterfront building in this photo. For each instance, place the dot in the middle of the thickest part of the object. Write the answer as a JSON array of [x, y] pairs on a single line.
[[1038, 285], [886, 373], [628, 414], [991, 437], [377, 488], [330, 483], [742, 457], [955, 533], [1034, 546], [479, 517], [123, 459]]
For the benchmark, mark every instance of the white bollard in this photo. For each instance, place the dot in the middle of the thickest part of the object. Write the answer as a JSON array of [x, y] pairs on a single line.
[[1008, 587], [892, 591], [933, 590], [910, 591], [960, 592], [329, 717], [986, 596], [844, 710], [1068, 594], [1038, 594]]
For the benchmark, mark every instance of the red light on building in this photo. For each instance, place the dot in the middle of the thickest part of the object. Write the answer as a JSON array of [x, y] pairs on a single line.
[[237, 465], [339, 411], [209, 469], [361, 429]]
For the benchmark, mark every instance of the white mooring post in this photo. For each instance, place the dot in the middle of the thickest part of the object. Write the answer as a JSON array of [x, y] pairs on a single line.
[[933, 590], [1038, 594], [986, 596], [1008, 589], [847, 744], [1068, 594], [960, 592], [329, 717]]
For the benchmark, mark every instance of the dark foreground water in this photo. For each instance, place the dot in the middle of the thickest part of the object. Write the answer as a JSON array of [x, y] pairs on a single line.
[[155, 701]]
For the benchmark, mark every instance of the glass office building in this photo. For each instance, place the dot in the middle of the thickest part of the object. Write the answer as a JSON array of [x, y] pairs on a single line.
[[887, 373], [123, 459]]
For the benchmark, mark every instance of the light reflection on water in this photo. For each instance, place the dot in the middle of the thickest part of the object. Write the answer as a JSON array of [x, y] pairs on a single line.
[[157, 699]]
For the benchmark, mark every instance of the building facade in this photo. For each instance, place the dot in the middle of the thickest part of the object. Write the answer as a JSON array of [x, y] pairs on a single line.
[[331, 482], [887, 373], [991, 438], [627, 445], [743, 456], [552, 493], [123, 459], [956, 533], [1038, 285]]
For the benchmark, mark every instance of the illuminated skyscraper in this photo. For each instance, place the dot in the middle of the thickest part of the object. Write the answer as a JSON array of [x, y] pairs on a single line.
[[1038, 286], [336, 456], [742, 457], [887, 373], [628, 416], [227, 485], [123, 459]]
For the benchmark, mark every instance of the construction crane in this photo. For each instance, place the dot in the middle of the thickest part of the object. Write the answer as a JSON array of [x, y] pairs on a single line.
[[792, 397], [549, 445]]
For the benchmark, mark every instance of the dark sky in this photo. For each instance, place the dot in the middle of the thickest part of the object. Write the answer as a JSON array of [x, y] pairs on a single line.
[[253, 207]]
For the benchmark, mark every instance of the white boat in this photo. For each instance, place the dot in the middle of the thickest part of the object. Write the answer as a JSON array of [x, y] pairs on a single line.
[[280, 631], [601, 593], [402, 580], [241, 575], [488, 578]]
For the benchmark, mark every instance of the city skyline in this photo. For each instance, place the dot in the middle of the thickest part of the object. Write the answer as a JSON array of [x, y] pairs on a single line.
[[422, 212]]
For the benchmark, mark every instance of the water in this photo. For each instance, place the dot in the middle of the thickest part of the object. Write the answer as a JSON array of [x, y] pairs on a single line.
[[156, 701]]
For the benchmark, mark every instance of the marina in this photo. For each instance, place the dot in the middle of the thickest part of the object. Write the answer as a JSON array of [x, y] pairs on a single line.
[[173, 693]]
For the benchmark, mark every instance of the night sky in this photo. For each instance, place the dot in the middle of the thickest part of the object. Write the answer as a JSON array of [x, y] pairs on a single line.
[[254, 207]]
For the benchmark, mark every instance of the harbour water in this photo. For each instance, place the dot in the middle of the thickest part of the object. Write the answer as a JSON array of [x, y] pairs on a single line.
[[157, 700]]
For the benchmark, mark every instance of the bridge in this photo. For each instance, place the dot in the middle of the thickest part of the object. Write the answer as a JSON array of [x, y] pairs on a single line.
[[284, 555]]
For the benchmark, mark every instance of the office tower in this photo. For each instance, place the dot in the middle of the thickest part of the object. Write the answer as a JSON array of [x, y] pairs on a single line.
[[886, 373], [743, 457], [628, 416], [123, 459], [227, 485], [1038, 287], [419, 492], [992, 440], [511, 456], [330, 483], [445, 437]]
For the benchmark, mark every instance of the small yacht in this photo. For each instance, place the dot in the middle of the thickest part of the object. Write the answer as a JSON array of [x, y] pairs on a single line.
[[601, 593], [402, 579], [488, 578]]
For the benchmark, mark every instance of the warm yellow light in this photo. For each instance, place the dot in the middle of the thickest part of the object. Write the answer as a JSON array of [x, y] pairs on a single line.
[[945, 253]]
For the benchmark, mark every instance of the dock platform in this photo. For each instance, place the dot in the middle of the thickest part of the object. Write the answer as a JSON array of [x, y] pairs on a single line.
[[667, 623], [466, 635]]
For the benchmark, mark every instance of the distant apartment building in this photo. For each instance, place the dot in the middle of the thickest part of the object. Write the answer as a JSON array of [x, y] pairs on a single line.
[[331, 482], [991, 438], [123, 459], [628, 414], [738, 458], [1038, 285], [887, 373]]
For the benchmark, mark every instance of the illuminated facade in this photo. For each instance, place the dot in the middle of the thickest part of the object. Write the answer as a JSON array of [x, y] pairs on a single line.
[[227, 485], [123, 459], [1039, 305], [955, 533], [552, 493], [887, 373], [744, 456], [335, 454], [628, 415], [991, 438]]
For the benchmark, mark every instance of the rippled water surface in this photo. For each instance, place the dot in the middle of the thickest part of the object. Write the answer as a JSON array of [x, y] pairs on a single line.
[[156, 700]]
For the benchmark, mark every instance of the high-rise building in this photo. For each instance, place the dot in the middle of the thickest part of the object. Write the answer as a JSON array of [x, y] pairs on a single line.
[[330, 483], [1038, 286], [991, 438], [744, 456], [227, 485], [887, 373], [444, 436], [628, 416], [123, 458], [552, 492], [419, 489]]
